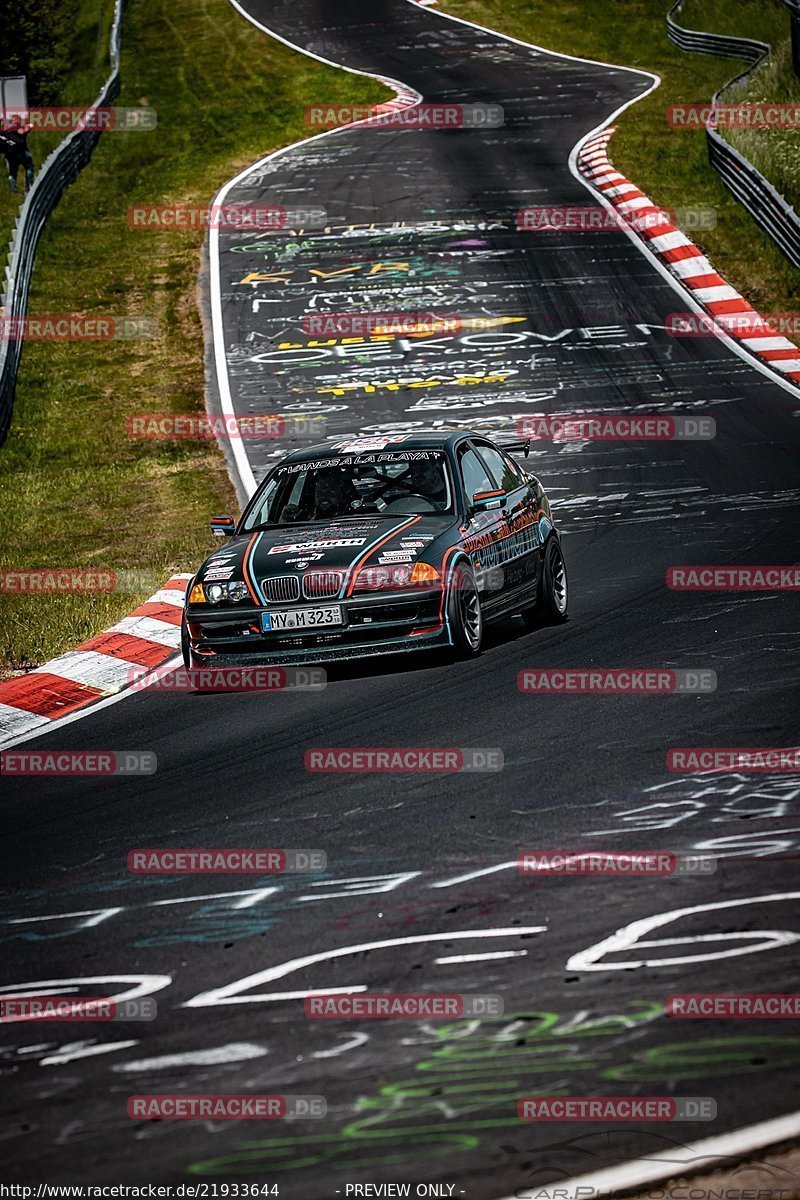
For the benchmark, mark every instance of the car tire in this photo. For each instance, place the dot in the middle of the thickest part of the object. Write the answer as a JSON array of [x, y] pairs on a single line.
[[551, 607], [465, 613]]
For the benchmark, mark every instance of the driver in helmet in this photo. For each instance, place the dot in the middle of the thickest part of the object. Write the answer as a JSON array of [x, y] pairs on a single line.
[[425, 477], [326, 494], [333, 495]]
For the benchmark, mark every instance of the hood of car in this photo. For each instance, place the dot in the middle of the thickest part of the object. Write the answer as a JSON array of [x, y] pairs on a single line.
[[332, 545]]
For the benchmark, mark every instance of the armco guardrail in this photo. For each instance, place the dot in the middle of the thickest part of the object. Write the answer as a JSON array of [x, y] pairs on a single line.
[[764, 203], [713, 43], [58, 171]]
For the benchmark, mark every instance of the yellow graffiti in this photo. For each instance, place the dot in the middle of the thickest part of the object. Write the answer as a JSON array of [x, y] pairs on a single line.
[[375, 269], [489, 322], [318, 344], [391, 268], [259, 277], [395, 385], [332, 274], [411, 332]]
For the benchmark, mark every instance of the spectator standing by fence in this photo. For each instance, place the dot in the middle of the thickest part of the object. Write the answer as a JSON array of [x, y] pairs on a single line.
[[14, 144]]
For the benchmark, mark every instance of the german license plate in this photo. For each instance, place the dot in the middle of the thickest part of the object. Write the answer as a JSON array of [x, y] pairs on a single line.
[[302, 618]]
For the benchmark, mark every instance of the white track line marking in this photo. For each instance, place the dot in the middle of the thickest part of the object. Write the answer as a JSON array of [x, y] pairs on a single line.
[[231, 993], [490, 956], [233, 1052]]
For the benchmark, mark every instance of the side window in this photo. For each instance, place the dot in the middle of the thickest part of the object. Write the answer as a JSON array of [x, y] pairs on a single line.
[[302, 492], [503, 469], [260, 514], [474, 474], [279, 492]]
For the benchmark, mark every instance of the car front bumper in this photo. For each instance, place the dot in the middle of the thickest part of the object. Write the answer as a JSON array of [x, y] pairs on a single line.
[[375, 623]]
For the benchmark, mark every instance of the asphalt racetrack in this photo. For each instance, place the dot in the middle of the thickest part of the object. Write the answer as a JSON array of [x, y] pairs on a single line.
[[421, 892]]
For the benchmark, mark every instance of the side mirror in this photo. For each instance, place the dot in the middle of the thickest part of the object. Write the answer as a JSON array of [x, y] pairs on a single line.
[[222, 526], [483, 501]]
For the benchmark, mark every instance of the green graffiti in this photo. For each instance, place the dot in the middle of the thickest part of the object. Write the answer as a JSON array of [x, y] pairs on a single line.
[[292, 1154], [446, 1086], [711, 1056], [273, 249], [483, 1067]]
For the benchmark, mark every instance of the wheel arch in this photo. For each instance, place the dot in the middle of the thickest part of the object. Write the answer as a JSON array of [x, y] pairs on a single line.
[[452, 560]]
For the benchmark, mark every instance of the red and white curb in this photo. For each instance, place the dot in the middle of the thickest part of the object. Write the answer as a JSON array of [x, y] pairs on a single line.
[[685, 261], [405, 98], [101, 667]]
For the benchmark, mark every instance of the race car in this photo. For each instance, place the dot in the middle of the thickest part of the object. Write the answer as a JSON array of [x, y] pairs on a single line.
[[380, 545]]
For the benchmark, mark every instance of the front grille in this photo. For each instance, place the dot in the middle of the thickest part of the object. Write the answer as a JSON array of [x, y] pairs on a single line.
[[322, 585], [281, 589]]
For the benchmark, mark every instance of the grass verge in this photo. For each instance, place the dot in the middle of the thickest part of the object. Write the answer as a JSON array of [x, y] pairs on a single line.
[[75, 491], [669, 165], [774, 152]]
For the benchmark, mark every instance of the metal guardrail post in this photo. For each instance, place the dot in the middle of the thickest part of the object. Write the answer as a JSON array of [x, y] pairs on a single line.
[[60, 168]]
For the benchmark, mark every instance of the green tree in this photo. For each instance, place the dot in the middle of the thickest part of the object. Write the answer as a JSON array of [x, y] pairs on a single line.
[[35, 40]]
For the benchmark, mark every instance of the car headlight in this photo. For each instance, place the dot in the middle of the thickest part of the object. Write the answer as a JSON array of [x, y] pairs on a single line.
[[396, 575], [217, 593]]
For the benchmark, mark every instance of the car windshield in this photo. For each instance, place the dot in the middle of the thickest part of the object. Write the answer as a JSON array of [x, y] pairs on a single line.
[[402, 483]]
